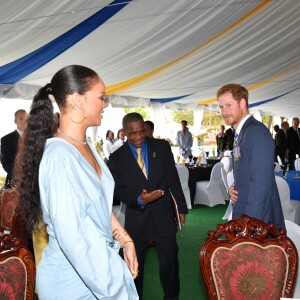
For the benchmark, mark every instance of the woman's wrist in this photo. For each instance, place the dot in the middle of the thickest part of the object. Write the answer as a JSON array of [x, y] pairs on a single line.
[[122, 237]]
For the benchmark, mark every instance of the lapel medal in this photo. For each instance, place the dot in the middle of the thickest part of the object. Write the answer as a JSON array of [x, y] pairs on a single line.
[[236, 151]]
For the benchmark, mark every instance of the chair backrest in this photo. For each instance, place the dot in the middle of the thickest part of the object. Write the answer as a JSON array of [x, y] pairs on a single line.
[[246, 258], [293, 232], [227, 153], [183, 174], [297, 164], [224, 178], [9, 199], [215, 176], [279, 160], [230, 178], [216, 182], [226, 163], [277, 167], [284, 195], [17, 269]]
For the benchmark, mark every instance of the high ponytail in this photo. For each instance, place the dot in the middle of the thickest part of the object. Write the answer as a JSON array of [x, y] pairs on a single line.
[[30, 151], [67, 81]]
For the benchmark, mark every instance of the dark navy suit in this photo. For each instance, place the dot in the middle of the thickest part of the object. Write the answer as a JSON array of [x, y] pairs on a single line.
[[254, 175]]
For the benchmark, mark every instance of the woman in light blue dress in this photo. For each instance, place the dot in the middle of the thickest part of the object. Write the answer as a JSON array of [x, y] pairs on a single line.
[[64, 177]]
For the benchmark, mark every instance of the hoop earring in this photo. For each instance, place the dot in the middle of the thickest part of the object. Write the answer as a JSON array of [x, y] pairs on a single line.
[[84, 116]]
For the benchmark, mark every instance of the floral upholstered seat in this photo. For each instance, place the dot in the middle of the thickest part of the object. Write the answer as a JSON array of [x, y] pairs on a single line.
[[9, 200], [248, 259], [17, 270], [13, 279]]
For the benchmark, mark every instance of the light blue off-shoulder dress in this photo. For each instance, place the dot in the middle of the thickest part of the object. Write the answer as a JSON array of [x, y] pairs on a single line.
[[80, 261]]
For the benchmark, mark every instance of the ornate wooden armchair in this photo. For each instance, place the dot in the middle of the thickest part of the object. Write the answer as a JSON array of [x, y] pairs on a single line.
[[17, 269], [9, 199], [246, 259]]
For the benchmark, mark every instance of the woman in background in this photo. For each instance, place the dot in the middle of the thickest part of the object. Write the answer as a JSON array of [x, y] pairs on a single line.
[[109, 145], [121, 138], [65, 178]]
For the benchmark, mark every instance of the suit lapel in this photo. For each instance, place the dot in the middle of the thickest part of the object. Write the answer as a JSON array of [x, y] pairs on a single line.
[[244, 128], [152, 156]]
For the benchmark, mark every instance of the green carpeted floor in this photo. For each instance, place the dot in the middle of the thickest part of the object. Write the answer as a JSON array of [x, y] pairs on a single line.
[[199, 220]]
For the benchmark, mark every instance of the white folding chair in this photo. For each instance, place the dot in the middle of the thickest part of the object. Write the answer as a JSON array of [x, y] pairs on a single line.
[[211, 192], [183, 174], [279, 160], [230, 181], [284, 195], [226, 163], [230, 178], [293, 232], [119, 211], [227, 153], [224, 179], [277, 167], [297, 164]]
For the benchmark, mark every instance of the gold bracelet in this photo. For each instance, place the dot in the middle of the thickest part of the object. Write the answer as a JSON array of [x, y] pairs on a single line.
[[121, 236], [130, 241]]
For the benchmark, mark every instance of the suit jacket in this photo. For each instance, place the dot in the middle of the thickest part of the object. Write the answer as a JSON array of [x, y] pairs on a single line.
[[293, 143], [141, 221], [9, 148], [229, 138], [281, 143], [254, 175]]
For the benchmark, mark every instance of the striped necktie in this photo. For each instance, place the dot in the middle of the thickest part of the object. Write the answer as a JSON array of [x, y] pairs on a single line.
[[236, 136], [141, 161]]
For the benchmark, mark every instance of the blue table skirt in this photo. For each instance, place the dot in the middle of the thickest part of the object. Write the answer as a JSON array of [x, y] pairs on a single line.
[[293, 180]]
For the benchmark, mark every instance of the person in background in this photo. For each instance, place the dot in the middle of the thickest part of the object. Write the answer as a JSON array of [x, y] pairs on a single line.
[[254, 191], [149, 128], [64, 179], [121, 138], [9, 145], [276, 128], [145, 173], [221, 140], [184, 140], [229, 133], [282, 143], [293, 135], [109, 145]]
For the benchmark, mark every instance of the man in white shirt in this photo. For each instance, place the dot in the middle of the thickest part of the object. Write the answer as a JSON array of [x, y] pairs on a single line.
[[184, 140]]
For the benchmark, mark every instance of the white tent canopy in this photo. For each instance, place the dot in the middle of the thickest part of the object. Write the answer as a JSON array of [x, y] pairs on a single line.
[[173, 52]]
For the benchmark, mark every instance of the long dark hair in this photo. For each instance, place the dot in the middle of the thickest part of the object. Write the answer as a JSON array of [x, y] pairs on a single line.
[[40, 123]]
